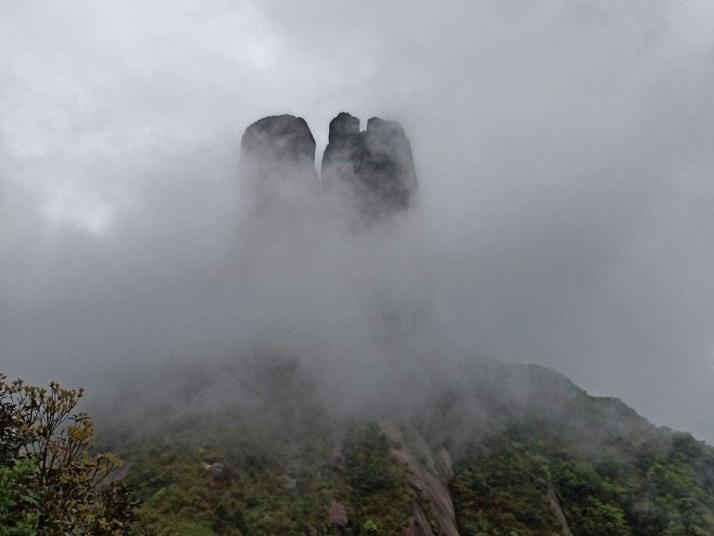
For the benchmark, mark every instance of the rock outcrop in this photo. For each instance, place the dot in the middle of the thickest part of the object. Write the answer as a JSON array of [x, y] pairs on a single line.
[[418, 524], [280, 139], [376, 165], [425, 478], [337, 515], [277, 167], [558, 511], [278, 148]]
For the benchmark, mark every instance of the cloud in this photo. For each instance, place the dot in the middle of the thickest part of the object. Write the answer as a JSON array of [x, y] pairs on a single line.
[[562, 150]]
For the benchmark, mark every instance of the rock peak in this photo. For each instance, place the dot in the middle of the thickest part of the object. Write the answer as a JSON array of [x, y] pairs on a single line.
[[377, 126], [343, 125], [277, 162], [279, 138], [376, 164]]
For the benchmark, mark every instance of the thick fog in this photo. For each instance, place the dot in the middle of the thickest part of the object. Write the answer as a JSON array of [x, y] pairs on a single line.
[[562, 149]]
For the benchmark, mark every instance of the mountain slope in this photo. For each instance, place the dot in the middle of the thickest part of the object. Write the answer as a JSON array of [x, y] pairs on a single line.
[[502, 450]]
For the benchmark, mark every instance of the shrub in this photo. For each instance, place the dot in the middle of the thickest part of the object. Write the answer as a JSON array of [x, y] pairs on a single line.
[[50, 482]]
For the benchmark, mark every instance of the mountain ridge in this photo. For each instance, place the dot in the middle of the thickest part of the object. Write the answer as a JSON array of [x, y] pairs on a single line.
[[514, 464], [384, 429]]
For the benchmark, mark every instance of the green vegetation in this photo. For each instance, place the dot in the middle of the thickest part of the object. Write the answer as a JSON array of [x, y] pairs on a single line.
[[499, 488], [16, 492], [660, 486], [193, 488], [50, 483], [277, 463]]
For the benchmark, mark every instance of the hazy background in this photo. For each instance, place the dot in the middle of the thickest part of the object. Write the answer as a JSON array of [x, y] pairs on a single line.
[[563, 150]]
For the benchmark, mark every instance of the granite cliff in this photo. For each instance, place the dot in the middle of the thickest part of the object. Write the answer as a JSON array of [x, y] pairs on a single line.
[[374, 167]]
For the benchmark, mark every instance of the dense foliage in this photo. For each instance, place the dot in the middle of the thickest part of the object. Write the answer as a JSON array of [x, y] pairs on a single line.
[[501, 489], [50, 482], [527, 454], [660, 485], [233, 487]]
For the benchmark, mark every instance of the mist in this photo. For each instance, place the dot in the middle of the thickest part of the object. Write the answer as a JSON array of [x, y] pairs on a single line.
[[565, 190]]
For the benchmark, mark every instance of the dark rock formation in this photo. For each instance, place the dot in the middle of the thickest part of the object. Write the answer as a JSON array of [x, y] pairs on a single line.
[[342, 126], [375, 164], [277, 167], [558, 511], [280, 138], [418, 523], [418, 457], [278, 146]]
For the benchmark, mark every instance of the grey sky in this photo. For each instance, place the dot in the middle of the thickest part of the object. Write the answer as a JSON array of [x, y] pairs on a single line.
[[563, 151]]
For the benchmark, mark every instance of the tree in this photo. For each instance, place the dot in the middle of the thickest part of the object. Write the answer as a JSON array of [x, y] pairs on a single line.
[[50, 481]]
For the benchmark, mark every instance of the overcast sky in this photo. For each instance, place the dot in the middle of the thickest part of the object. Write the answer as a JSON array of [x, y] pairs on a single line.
[[563, 150]]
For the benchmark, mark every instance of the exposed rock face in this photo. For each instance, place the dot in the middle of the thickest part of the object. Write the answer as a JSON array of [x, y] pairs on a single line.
[[424, 477], [280, 138], [343, 126], [418, 524], [118, 474], [444, 464], [558, 511], [338, 515], [215, 470], [277, 152], [376, 164]]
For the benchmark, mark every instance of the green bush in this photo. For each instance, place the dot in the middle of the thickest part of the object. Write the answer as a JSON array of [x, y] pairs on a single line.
[[50, 482]]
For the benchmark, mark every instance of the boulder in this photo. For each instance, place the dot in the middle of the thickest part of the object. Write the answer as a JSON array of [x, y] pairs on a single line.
[[216, 471]]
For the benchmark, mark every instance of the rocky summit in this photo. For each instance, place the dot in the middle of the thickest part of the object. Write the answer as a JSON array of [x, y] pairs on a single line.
[[375, 166], [278, 145]]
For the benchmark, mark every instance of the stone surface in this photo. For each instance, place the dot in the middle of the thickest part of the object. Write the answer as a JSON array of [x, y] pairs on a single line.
[[444, 464], [558, 511], [277, 168], [342, 127], [418, 524], [215, 470], [279, 138], [117, 474], [376, 164], [419, 459], [278, 147], [338, 514]]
